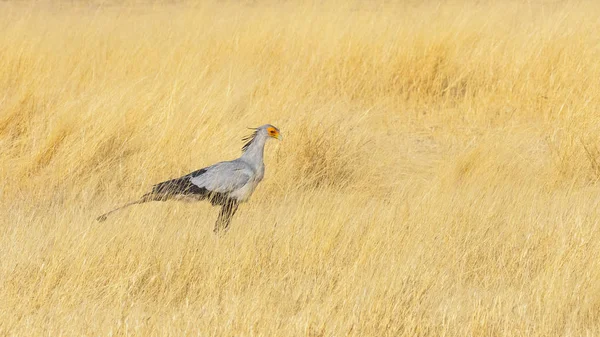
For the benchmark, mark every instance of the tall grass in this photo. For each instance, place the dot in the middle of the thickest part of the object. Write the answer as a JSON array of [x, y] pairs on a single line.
[[438, 175]]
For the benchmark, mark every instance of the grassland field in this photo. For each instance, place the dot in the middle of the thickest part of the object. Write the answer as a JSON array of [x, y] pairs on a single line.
[[439, 173]]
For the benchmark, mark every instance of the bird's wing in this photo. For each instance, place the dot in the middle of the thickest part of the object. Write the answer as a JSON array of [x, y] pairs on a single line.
[[177, 186], [224, 177]]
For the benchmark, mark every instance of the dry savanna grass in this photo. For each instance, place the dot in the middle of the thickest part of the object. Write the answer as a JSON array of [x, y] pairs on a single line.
[[439, 174]]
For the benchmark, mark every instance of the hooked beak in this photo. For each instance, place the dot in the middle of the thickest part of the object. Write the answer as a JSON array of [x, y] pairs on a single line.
[[279, 136]]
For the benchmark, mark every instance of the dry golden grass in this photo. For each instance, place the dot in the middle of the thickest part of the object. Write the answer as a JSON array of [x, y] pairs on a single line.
[[438, 177]]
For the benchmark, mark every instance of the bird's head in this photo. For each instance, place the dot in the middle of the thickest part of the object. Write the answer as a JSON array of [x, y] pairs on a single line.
[[270, 131], [265, 132]]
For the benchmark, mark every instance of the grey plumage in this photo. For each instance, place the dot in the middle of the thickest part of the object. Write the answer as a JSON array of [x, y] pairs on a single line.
[[225, 184]]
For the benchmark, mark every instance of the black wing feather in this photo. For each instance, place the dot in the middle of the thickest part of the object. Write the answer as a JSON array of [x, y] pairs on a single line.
[[183, 186], [178, 186]]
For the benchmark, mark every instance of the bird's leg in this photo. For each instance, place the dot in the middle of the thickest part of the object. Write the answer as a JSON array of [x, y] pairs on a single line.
[[227, 212]]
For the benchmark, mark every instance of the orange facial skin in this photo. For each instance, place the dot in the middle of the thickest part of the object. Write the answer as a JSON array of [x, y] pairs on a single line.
[[273, 132]]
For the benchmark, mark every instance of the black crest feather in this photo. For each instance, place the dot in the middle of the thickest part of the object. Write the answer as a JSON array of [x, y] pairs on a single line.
[[248, 139]]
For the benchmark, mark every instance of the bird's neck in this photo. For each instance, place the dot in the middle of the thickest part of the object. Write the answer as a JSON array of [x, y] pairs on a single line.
[[254, 153]]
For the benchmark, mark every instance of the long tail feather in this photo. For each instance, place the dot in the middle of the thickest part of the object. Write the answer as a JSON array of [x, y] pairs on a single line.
[[105, 215]]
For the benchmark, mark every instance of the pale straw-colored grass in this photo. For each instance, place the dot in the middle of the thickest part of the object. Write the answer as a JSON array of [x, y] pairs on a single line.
[[438, 176]]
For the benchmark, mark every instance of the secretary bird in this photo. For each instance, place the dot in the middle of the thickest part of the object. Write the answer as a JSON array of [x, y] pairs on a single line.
[[225, 184]]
